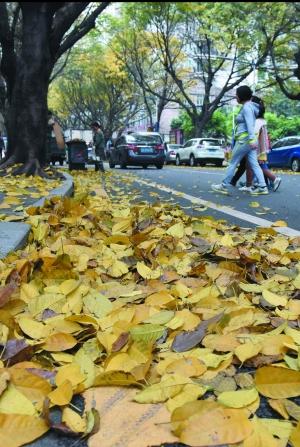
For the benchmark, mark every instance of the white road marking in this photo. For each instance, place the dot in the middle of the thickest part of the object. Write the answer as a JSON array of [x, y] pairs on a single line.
[[197, 171], [287, 231]]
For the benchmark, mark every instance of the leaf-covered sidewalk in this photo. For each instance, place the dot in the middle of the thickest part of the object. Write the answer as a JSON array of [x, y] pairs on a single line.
[[161, 307], [17, 193]]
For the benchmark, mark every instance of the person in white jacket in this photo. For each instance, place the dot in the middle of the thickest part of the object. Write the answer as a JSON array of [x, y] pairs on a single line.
[[263, 147]]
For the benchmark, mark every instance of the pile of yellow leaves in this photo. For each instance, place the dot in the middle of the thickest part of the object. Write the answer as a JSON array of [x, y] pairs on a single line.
[[113, 293], [17, 191]]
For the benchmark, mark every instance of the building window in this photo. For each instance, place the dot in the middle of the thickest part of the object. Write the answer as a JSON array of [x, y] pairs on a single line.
[[199, 100]]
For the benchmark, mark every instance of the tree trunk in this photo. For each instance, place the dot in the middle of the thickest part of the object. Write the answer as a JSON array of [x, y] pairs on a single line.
[[200, 122], [199, 125], [27, 110]]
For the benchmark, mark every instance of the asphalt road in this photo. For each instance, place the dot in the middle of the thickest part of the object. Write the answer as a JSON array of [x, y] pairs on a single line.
[[283, 204]]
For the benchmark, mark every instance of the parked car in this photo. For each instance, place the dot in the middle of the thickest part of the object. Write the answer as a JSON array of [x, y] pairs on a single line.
[[201, 151], [137, 149], [171, 151], [285, 153]]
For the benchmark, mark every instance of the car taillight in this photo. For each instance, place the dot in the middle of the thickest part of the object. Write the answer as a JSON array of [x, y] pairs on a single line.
[[160, 147], [132, 147], [172, 153]]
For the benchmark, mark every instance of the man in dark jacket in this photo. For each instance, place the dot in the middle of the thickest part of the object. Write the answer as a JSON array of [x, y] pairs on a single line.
[[99, 143]]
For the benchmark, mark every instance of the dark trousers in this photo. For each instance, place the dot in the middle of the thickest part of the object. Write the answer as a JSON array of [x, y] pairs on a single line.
[[242, 169], [239, 172]]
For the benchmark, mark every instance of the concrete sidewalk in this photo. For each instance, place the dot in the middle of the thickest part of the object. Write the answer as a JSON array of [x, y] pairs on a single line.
[[14, 235]]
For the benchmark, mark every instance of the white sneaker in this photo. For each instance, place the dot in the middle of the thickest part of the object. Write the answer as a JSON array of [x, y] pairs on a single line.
[[259, 191], [246, 188], [220, 188], [276, 184]]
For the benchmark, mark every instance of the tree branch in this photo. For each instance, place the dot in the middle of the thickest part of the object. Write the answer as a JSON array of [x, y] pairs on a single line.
[[280, 80], [78, 32]]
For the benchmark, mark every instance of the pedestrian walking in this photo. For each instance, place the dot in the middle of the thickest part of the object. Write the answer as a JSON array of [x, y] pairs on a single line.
[[263, 147], [242, 168], [99, 143], [245, 143]]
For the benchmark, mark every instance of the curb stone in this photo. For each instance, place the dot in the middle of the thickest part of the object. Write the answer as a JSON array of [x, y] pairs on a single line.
[[14, 235], [66, 189]]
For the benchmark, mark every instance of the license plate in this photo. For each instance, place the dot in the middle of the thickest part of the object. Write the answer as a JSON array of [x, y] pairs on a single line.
[[146, 150], [212, 150]]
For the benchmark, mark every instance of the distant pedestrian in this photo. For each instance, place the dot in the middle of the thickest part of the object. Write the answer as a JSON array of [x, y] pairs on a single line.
[[99, 143], [263, 147], [245, 143]]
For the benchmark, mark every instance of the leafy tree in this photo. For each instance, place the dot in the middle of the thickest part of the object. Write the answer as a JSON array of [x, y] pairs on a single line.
[[48, 31], [142, 64], [220, 124], [94, 88], [277, 103], [223, 38], [281, 126], [284, 45]]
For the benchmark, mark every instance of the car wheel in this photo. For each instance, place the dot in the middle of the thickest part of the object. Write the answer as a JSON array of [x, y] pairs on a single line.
[[110, 163], [202, 163], [61, 162], [159, 166], [177, 162], [219, 164], [192, 160], [295, 165]]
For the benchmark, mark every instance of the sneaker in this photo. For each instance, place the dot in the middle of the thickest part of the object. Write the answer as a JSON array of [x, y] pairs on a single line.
[[220, 188], [276, 183], [259, 191], [246, 188]]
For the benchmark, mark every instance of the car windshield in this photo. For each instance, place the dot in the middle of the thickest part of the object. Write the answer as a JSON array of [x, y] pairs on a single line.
[[137, 138], [211, 142]]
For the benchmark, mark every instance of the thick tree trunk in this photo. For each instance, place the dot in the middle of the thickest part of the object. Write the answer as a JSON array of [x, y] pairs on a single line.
[[27, 110], [200, 122], [199, 125]]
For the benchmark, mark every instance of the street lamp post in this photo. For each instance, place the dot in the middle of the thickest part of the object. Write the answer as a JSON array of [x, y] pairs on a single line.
[[254, 76]]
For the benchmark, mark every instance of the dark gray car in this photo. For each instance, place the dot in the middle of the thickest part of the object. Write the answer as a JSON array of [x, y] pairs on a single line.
[[137, 149]]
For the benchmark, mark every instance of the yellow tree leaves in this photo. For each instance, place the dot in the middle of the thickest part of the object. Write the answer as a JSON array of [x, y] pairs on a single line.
[[59, 342], [208, 424], [142, 297], [169, 386], [146, 272], [277, 383], [17, 430], [62, 395], [238, 399]]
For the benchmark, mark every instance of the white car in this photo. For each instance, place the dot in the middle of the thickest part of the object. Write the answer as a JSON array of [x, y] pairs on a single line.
[[201, 151], [171, 151]]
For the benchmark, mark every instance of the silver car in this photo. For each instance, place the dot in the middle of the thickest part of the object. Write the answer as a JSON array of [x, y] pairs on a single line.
[[171, 151], [201, 151]]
